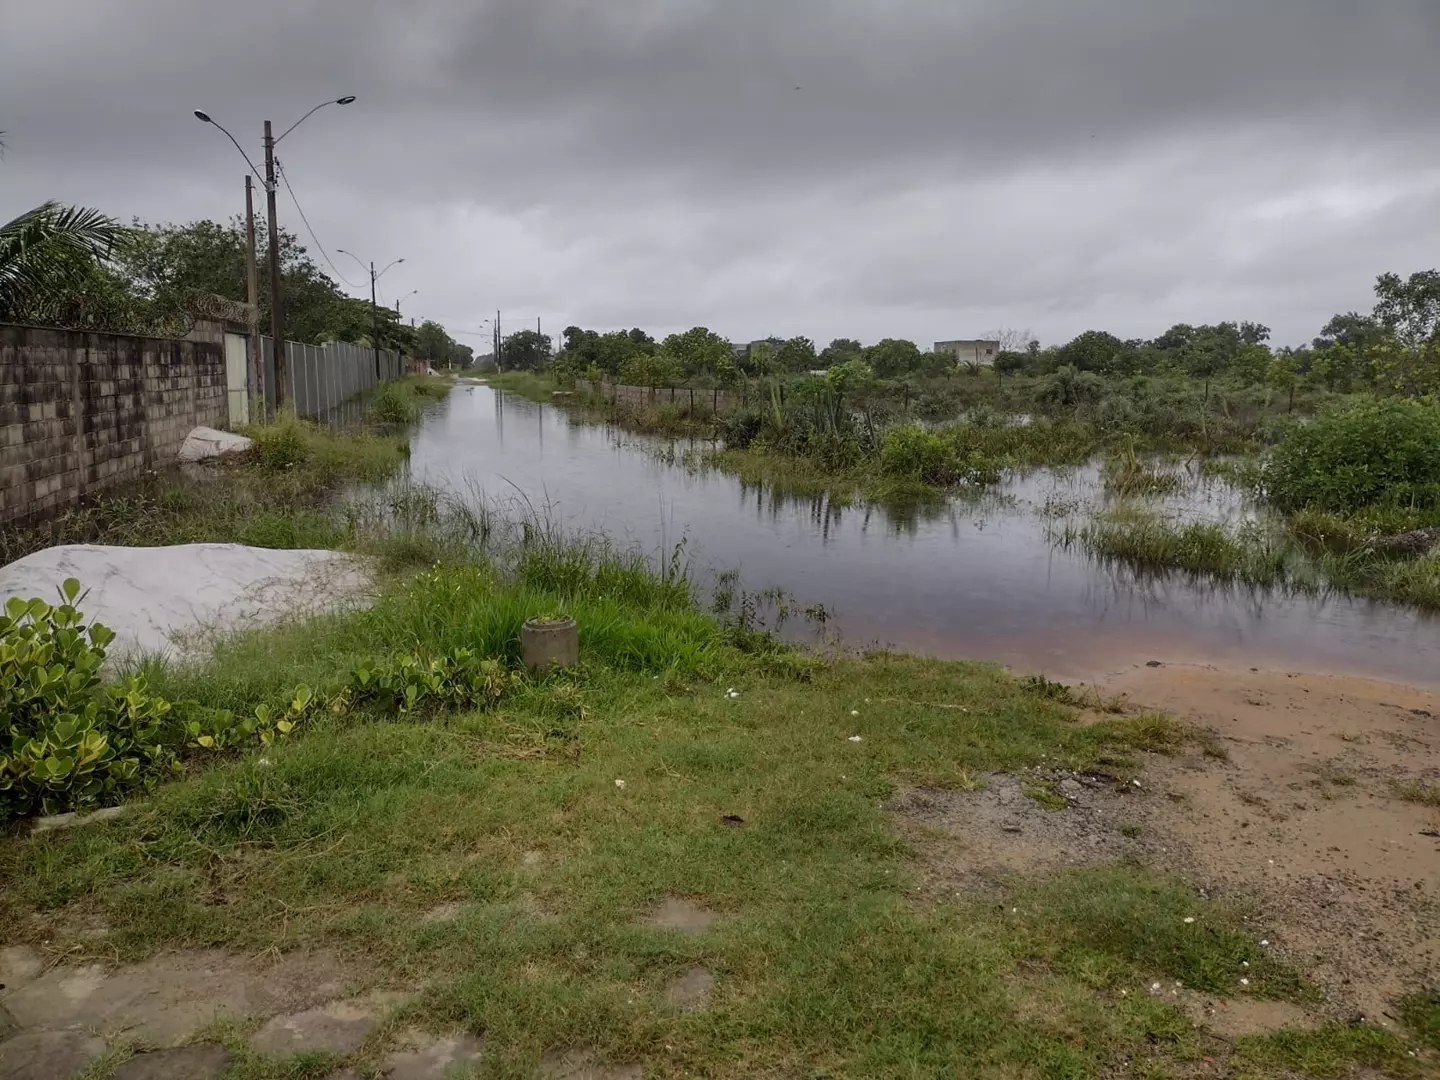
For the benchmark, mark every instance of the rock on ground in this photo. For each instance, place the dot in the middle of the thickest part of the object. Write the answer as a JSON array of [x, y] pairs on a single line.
[[204, 443], [178, 600]]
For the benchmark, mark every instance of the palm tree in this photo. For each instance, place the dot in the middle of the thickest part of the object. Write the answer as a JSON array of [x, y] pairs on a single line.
[[51, 249]]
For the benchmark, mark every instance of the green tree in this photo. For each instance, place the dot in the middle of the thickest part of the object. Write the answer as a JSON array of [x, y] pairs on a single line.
[[699, 351], [1097, 350], [839, 351], [525, 350], [892, 356], [796, 354], [1409, 308], [1010, 363]]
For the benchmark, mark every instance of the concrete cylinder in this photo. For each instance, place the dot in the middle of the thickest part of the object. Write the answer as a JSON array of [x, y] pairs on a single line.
[[550, 643]]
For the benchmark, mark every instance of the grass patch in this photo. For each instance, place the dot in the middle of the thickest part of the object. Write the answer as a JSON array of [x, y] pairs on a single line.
[[1207, 549], [823, 961], [1418, 791], [1420, 1013], [1331, 1052], [740, 791], [1125, 474]]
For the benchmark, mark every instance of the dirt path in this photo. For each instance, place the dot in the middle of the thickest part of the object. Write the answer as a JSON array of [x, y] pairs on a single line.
[[1308, 817]]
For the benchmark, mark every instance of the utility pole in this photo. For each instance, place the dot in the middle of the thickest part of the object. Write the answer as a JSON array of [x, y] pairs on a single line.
[[498, 341], [277, 320], [374, 325], [252, 297]]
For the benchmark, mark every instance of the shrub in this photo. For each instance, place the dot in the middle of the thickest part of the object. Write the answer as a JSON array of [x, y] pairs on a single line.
[[1377, 453], [409, 683], [392, 404], [281, 445], [940, 459], [913, 453], [70, 743], [741, 428]]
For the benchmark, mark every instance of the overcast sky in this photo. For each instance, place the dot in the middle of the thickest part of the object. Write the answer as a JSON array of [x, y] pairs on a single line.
[[869, 168]]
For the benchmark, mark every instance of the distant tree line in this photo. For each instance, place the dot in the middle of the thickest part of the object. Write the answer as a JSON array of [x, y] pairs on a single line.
[[1395, 348]]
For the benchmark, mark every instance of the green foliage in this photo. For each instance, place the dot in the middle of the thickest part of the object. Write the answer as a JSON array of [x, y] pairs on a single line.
[[282, 444], [1374, 454], [439, 349], [892, 356], [69, 742], [911, 452], [412, 683], [392, 404], [50, 254], [525, 350], [695, 352], [1096, 350]]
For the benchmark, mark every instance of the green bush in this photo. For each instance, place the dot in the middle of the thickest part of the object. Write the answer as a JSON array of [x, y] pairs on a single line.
[[392, 404], [913, 453], [282, 444], [937, 458], [1378, 453], [408, 684], [69, 742]]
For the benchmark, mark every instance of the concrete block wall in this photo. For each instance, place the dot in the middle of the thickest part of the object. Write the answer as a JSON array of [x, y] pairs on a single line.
[[79, 411]]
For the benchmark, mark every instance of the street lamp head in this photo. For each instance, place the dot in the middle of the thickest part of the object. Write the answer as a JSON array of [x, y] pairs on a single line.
[[346, 100], [203, 116]]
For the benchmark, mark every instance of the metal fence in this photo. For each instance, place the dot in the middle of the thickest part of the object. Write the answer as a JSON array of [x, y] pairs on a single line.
[[325, 381]]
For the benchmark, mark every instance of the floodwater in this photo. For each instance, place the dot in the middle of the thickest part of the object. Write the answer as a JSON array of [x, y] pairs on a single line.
[[967, 578]]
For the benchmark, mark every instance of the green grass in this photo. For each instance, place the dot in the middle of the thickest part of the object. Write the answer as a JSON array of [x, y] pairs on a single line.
[[824, 959], [1334, 1051]]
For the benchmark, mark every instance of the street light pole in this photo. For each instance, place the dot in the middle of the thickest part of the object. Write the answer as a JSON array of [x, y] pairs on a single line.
[[277, 319], [277, 324], [374, 305]]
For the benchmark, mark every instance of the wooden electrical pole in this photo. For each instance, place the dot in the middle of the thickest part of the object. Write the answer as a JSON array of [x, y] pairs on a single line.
[[277, 321], [252, 297]]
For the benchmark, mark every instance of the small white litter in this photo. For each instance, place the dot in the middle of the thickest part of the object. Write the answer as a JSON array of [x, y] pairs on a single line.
[[620, 784], [855, 738]]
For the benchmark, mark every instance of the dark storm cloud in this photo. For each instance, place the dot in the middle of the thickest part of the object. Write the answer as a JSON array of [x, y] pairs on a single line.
[[942, 168]]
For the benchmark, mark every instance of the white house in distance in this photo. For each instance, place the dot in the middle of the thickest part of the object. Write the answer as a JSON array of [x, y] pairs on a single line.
[[970, 352]]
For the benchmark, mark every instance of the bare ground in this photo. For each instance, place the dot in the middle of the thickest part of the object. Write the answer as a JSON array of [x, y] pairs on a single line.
[[1305, 821]]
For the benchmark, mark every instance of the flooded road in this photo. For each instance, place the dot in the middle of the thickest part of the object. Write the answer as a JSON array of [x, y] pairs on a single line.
[[963, 579]]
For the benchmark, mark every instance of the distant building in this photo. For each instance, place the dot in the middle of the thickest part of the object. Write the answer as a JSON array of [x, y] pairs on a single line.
[[970, 352]]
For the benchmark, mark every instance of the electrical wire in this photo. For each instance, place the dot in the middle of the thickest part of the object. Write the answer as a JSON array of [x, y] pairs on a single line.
[[330, 262]]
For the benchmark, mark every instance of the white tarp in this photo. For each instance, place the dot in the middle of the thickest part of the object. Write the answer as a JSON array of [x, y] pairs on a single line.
[[177, 600]]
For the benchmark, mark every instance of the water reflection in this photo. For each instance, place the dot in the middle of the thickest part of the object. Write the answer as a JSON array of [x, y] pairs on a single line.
[[977, 576]]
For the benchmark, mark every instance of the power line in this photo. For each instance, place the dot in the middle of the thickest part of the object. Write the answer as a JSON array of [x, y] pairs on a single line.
[[326, 254]]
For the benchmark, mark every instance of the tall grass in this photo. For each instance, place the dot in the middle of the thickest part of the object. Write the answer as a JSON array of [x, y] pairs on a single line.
[[1126, 474], [1201, 548]]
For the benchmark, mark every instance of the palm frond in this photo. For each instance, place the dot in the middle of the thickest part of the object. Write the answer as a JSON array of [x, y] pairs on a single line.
[[50, 248]]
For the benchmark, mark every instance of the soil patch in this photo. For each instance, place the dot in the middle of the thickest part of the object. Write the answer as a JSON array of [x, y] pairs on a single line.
[[164, 999], [1304, 818], [691, 991], [337, 1027], [432, 1057], [677, 913], [1005, 828], [200, 1061]]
